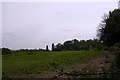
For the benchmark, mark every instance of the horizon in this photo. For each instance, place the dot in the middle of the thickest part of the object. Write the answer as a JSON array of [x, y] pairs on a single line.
[[49, 47]]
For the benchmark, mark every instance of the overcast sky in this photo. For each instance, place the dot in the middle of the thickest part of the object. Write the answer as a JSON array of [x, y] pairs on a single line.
[[37, 24]]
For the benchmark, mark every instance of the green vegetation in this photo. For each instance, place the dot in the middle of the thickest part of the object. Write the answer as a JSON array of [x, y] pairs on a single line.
[[109, 35], [25, 64], [0, 65], [109, 29], [6, 51], [33, 63], [76, 45]]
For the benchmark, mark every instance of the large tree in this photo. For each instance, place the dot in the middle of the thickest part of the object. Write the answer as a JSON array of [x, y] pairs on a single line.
[[109, 29]]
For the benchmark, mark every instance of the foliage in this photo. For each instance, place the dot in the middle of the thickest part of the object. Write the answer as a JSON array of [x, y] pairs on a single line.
[[76, 45], [6, 51], [59, 47], [72, 45], [115, 66], [28, 50], [47, 48], [116, 51], [109, 29], [53, 46]]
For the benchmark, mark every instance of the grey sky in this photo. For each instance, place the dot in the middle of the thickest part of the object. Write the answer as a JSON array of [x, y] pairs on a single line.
[[35, 25], [0, 24]]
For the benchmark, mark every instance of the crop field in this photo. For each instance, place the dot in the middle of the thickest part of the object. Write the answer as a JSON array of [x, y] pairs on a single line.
[[27, 64]]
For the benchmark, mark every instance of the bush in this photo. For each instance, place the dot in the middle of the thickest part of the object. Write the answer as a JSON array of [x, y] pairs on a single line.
[[116, 51], [117, 60], [6, 51]]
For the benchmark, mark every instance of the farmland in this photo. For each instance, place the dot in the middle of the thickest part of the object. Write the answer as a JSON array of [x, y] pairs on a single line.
[[28, 64], [40, 42]]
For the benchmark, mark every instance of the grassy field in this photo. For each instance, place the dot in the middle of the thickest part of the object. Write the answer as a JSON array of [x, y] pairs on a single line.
[[0, 66], [31, 64]]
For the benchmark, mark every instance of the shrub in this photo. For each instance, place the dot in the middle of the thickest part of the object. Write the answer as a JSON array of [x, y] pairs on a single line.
[[6, 51], [116, 51]]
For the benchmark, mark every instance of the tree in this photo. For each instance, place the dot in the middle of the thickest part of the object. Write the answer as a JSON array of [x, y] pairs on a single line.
[[6, 51], [59, 47], [53, 47], [47, 48], [76, 45], [109, 29], [68, 45]]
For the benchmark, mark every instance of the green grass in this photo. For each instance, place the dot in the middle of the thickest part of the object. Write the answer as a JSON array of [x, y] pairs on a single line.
[[30, 64], [0, 66]]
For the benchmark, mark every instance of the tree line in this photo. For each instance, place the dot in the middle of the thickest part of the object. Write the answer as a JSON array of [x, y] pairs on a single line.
[[70, 45], [75, 44]]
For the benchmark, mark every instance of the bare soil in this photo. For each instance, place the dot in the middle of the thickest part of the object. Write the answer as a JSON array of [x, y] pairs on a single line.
[[98, 65]]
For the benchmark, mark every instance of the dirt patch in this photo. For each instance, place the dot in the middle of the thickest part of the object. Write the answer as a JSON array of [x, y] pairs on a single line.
[[98, 65]]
